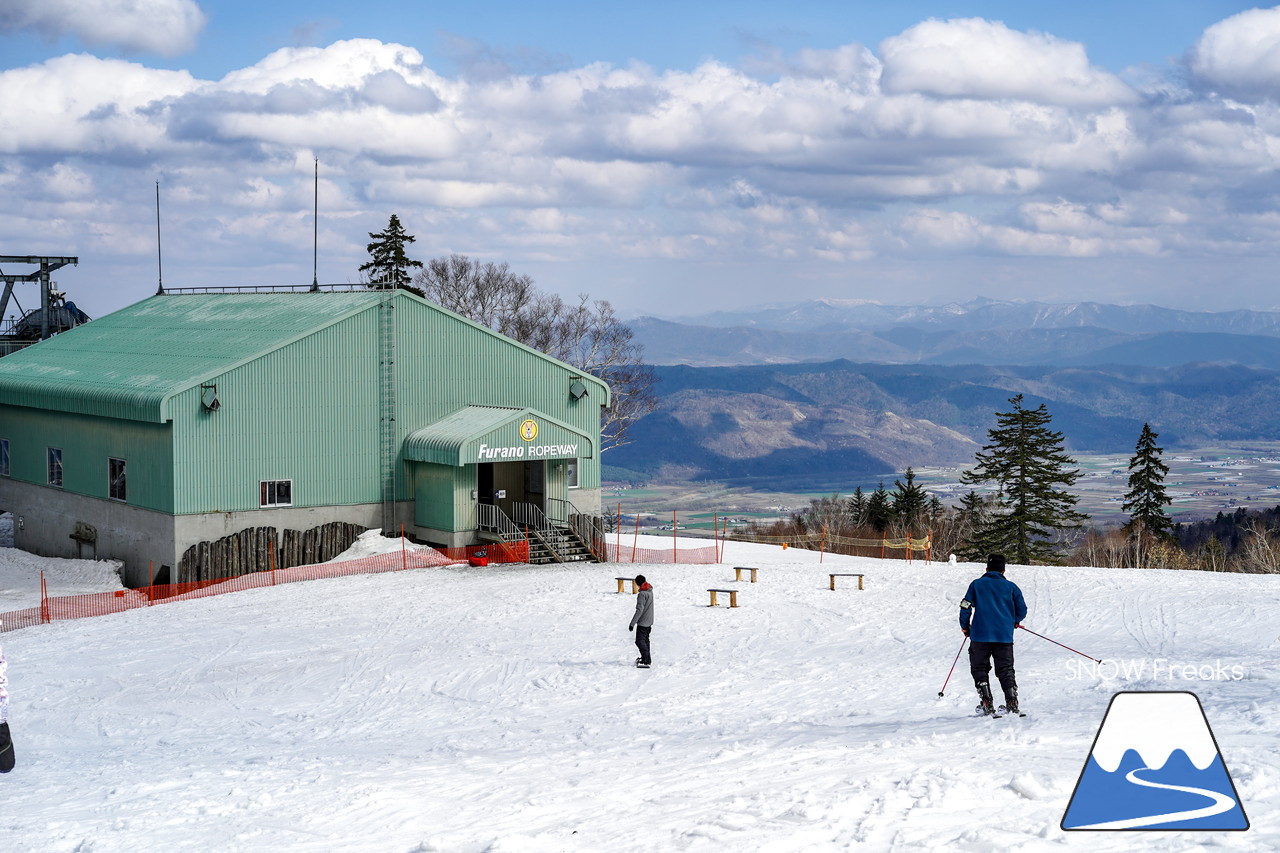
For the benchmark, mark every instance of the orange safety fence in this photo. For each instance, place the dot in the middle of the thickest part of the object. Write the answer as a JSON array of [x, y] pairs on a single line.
[[57, 608], [683, 556]]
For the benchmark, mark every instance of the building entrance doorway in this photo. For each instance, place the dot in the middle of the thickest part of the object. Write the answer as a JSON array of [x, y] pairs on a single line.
[[504, 484]]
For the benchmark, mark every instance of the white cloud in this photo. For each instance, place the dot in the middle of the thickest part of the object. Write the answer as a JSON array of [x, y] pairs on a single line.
[[976, 58], [1240, 55], [828, 156], [166, 27], [81, 105]]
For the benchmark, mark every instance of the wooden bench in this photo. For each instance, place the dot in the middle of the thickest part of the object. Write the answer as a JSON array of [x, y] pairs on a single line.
[[633, 584], [738, 570], [833, 580], [733, 596]]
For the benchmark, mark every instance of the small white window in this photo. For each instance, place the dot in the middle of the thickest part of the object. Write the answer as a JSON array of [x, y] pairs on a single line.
[[55, 466], [116, 486], [276, 492], [571, 473], [4, 457]]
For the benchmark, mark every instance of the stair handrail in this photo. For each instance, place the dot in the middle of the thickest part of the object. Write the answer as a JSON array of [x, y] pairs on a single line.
[[589, 528], [493, 519], [531, 516]]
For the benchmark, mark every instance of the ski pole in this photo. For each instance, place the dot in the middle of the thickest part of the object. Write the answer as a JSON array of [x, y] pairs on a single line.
[[1056, 643], [953, 665]]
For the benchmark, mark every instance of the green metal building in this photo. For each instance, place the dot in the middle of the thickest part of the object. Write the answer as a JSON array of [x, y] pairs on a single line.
[[191, 425]]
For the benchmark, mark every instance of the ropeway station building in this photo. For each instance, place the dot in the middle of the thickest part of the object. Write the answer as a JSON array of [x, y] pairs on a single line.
[[191, 433]]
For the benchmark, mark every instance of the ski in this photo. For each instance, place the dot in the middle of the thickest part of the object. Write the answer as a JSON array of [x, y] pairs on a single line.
[[1006, 711], [980, 712]]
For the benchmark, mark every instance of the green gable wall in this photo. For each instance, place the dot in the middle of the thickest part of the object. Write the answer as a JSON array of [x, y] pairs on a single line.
[[465, 365], [306, 412]]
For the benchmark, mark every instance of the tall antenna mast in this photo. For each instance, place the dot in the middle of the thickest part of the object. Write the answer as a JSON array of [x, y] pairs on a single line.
[[315, 232], [159, 259]]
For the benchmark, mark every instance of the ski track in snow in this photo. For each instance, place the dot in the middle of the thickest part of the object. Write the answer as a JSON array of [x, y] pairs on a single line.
[[497, 709]]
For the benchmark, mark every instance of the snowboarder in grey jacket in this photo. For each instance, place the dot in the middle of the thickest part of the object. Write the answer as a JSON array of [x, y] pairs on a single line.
[[642, 620]]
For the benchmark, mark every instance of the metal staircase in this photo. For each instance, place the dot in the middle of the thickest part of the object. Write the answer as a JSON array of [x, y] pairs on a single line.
[[549, 541]]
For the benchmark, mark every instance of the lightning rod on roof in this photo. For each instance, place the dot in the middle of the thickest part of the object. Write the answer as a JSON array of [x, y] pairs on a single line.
[[315, 230], [159, 258]]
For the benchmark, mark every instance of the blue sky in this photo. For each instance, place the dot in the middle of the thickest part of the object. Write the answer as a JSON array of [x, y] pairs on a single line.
[[671, 157]]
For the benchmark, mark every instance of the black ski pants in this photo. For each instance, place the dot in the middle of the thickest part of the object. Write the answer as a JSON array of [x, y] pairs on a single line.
[[980, 657], [642, 642]]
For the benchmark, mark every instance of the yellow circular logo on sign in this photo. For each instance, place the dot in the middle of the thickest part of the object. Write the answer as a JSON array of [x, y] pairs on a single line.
[[529, 430]]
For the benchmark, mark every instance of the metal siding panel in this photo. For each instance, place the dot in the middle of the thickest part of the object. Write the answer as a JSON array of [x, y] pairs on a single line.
[[87, 443], [307, 412], [434, 504], [465, 514]]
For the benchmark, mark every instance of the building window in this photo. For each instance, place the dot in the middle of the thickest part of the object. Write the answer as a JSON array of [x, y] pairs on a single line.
[[4, 457], [55, 466], [276, 492], [116, 487], [571, 473]]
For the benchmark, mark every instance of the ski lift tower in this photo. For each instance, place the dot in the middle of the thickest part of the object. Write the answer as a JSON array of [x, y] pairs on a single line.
[[47, 265]]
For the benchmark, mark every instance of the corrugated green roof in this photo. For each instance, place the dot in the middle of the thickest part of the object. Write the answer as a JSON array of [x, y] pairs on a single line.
[[128, 364]]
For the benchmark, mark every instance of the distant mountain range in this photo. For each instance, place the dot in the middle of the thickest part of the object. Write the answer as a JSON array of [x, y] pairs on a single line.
[[980, 332], [833, 424]]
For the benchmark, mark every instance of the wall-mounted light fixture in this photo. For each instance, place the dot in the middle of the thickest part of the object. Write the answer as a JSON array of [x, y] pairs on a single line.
[[209, 398], [577, 390]]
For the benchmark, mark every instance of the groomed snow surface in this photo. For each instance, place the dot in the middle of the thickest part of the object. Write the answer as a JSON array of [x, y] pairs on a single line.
[[498, 709]]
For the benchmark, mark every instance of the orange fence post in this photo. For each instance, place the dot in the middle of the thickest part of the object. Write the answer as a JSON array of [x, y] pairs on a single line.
[[882, 544], [674, 524], [636, 538], [271, 549], [822, 546], [404, 554], [44, 599], [617, 549], [911, 547]]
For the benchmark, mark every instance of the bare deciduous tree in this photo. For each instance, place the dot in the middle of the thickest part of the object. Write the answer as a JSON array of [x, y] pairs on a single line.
[[587, 335]]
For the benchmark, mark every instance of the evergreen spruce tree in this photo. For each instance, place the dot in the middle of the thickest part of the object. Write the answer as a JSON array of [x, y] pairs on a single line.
[[908, 500], [936, 509], [1147, 498], [879, 509], [389, 266], [1026, 462], [857, 507]]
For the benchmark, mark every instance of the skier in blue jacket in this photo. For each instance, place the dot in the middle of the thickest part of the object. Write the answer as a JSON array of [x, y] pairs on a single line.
[[992, 608]]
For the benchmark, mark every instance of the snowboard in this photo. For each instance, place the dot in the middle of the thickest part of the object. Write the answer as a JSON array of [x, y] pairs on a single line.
[[6, 749]]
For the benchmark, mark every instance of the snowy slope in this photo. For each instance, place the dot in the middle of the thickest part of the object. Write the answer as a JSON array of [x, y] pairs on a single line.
[[497, 709]]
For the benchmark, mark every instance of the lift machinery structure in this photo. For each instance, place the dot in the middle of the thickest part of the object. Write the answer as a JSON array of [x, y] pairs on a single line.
[[48, 298]]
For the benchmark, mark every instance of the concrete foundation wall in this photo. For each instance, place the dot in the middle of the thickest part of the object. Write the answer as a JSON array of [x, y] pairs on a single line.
[[588, 501], [44, 519], [445, 538]]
